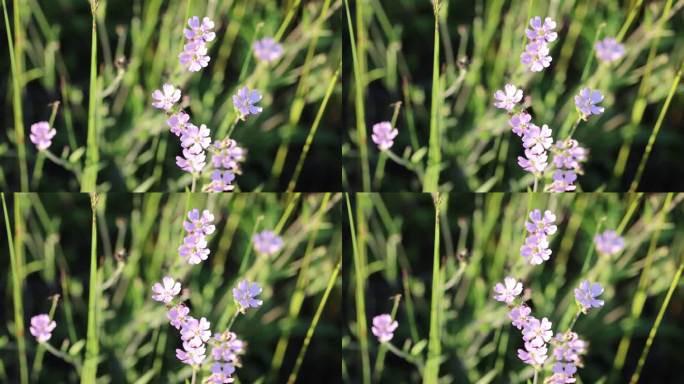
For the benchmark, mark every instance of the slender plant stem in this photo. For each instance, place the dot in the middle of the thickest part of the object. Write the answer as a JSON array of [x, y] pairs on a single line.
[[310, 332], [232, 319], [312, 131], [16, 96], [92, 345], [431, 181], [431, 373], [16, 298], [89, 181], [61, 355], [536, 374], [359, 272], [656, 325], [651, 140]]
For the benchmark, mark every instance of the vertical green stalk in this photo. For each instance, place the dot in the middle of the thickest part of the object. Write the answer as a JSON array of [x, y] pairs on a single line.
[[360, 277], [309, 333], [16, 96], [431, 181], [651, 140], [656, 325], [359, 88], [431, 374], [92, 347], [312, 131], [16, 298], [89, 181]]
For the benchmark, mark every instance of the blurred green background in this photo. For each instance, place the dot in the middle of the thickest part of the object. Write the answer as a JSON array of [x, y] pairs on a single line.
[[480, 240], [139, 43], [137, 344], [481, 43]]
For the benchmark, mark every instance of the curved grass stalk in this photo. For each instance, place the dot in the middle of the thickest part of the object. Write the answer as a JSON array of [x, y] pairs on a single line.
[[312, 131], [309, 333], [656, 325]]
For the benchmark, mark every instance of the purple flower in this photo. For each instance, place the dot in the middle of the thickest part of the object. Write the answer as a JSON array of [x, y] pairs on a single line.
[[166, 292], [221, 181], [536, 57], [383, 327], [178, 123], [245, 295], [221, 373], [569, 347], [194, 249], [41, 327], [508, 99], [537, 332], [178, 315], [267, 242], [508, 291], [196, 139], [165, 100], [586, 295], [197, 224], [200, 32], [533, 355], [191, 355], [245, 102], [542, 225], [195, 332], [520, 316], [609, 242], [228, 154], [536, 249], [537, 139], [267, 49], [533, 162], [228, 347], [541, 33], [520, 123], [563, 373], [563, 181], [41, 135], [569, 155], [384, 134], [609, 49], [191, 162], [194, 56], [586, 102]]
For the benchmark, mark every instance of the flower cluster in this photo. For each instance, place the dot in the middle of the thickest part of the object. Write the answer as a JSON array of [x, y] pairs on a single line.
[[568, 157], [194, 248], [196, 140], [194, 56], [41, 135], [609, 243], [41, 327], [383, 327], [195, 333], [536, 248], [536, 56], [384, 134]]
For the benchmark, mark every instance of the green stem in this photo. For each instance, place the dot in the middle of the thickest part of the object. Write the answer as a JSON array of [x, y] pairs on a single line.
[[309, 333], [89, 181], [61, 355], [16, 101], [431, 373], [92, 346], [16, 299], [431, 181], [232, 319]]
